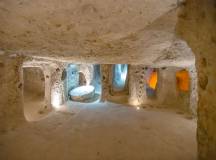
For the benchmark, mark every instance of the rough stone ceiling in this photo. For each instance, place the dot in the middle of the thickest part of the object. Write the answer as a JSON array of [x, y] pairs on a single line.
[[102, 31]]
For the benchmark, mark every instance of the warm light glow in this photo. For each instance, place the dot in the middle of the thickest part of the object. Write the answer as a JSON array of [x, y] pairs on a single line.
[[137, 108], [56, 100], [152, 82], [134, 102], [183, 80]]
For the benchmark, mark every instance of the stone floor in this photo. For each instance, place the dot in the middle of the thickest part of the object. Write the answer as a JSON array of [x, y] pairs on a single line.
[[35, 108], [103, 131]]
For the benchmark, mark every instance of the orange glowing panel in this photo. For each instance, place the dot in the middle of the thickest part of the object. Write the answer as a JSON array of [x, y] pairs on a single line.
[[153, 80], [183, 80]]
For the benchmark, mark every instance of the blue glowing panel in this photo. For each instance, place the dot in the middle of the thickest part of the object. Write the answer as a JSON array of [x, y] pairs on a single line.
[[119, 76], [72, 77], [97, 79]]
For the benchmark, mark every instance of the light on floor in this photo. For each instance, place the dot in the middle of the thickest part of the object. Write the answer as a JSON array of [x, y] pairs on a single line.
[[134, 102], [137, 108], [56, 100]]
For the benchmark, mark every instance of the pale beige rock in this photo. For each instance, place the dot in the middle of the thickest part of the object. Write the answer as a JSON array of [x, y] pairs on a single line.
[[51, 34], [197, 23], [94, 31]]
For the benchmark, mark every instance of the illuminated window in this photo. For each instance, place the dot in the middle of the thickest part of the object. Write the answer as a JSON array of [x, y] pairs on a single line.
[[97, 79], [183, 80], [120, 76], [152, 80]]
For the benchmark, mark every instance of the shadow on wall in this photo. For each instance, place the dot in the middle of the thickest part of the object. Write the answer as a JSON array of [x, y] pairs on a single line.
[[34, 82], [34, 93]]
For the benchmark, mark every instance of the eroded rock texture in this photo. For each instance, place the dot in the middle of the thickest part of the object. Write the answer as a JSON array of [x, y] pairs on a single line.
[[105, 77], [11, 111], [167, 93], [136, 32], [34, 81], [94, 31], [197, 24]]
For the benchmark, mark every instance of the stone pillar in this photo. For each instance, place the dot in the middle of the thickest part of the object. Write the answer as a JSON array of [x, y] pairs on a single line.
[[57, 86], [193, 90], [47, 77], [137, 81], [196, 24], [105, 88], [11, 104]]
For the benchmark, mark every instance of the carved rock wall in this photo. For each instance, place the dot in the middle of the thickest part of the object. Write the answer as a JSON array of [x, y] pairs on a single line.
[[196, 24], [11, 111]]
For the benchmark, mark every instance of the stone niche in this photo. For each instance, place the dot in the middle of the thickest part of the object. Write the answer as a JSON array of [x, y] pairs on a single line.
[[82, 82], [34, 81]]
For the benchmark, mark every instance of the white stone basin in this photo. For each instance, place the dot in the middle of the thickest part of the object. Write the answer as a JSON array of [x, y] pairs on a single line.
[[82, 93]]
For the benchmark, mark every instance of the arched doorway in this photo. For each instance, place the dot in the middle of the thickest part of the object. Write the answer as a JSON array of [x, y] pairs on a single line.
[[83, 82], [34, 93]]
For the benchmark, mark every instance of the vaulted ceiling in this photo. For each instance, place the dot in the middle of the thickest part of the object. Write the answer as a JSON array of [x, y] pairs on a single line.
[[106, 31]]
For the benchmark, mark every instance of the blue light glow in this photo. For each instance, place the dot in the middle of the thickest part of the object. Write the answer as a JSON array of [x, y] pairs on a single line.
[[82, 93], [97, 79], [77, 91], [72, 77], [119, 76], [82, 90]]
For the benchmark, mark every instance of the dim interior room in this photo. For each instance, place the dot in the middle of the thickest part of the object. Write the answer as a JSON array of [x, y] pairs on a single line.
[[107, 80]]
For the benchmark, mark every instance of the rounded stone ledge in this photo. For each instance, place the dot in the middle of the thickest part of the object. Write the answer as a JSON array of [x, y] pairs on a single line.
[[82, 93]]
